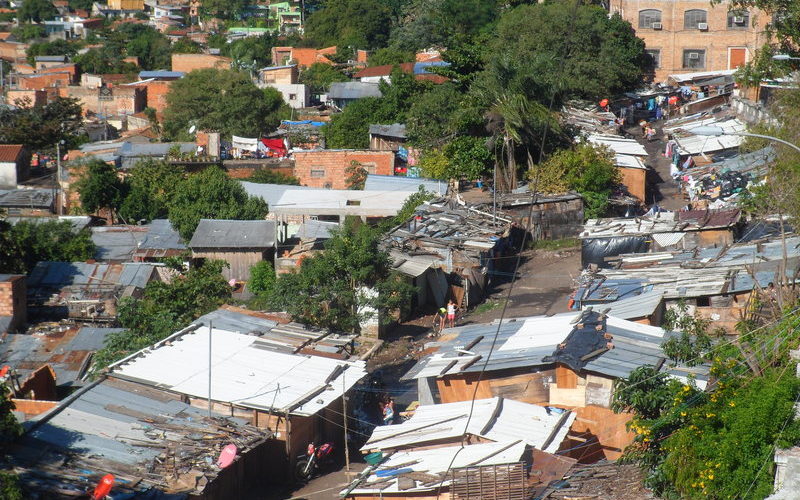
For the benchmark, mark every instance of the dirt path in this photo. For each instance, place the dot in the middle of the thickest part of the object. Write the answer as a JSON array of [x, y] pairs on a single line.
[[661, 188]]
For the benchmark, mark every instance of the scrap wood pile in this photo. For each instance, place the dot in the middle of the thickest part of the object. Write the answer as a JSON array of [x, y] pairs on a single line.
[[405, 477], [185, 463], [602, 480]]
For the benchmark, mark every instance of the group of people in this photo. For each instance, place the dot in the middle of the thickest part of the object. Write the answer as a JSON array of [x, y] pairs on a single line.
[[446, 316]]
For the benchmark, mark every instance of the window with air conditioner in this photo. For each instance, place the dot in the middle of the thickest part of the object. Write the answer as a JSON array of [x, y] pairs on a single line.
[[694, 59], [738, 19], [649, 17], [695, 19], [656, 26]]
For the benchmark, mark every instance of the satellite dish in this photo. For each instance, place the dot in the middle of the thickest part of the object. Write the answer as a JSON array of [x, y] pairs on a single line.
[[192, 129]]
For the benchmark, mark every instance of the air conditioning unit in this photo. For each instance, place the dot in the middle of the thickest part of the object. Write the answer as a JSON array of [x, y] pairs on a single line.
[[694, 55], [656, 26], [702, 26], [738, 20]]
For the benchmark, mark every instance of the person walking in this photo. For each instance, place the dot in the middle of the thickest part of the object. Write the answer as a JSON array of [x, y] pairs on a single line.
[[451, 313], [439, 319]]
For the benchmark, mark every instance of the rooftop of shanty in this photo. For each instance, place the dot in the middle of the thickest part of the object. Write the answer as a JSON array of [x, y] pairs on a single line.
[[689, 143], [535, 341], [638, 306], [443, 224], [117, 243], [589, 120], [690, 273], [496, 419], [67, 348], [661, 222], [47, 276], [40, 199], [399, 183], [341, 202], [233, 234], [248, 371], [279, 332], [161, 240], [147, 438]]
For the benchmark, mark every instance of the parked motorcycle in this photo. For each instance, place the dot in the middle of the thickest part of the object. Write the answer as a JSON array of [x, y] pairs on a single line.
[[309, 463]]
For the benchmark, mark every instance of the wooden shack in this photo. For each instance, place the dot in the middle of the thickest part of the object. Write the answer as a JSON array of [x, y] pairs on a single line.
[[239, 243]]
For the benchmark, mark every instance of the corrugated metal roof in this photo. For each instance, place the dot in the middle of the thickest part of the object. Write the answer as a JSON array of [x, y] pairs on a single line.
[[398, 183], [63, 274], [661, 222], [618, 144], [271, 193], [215, 233], [496, 419], [530, 342], [161, 235], [437, 461], [638, 306], [78, 221], [117, 243], [413, 265], [315, 230], [397, 130], [41, 199], [160, 74], [353, 90], [246, 371], [341, 202]]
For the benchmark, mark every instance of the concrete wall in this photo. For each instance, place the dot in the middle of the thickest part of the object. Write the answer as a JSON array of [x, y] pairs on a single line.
[[326, 168], [718, 41], [295, 95]]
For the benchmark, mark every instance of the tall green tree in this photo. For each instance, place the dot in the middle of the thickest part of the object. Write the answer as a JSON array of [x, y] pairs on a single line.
[[319, 77], [100, 187], [186, 46], [42, 127], [148, 44], [576, 49], [222, 100], [150, 188], [27, 243], [252, 52], [54, 48], [211, 194], [362, 24], [388, 55], [225, 9], [26, 32], [330, 288], [36, 11]]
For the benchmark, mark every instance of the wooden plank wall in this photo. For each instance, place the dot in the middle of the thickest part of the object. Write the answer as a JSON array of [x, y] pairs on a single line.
[[525, 387], [239, 262]]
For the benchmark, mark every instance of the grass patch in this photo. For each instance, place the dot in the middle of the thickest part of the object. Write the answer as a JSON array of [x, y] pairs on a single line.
[[554, 244], [487, 306]]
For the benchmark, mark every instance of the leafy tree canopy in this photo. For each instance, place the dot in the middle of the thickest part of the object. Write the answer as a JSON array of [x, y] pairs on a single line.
[[601, 55], [222, 100], [100, 187], [389, 55], [329, 288], [586, 169], [186, 46], [350, 128], [225, 9], [81, 4], [211, 194], [37, 11], [163, 309], [319, 77], [148, 44], [26, 32], [26, 243], [150, 188], [464, 157], [54, 48], [42, 127], [361, 24], [252, 52]]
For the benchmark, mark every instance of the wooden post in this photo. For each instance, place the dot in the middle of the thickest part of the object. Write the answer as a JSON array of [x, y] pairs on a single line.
[[344, 413]]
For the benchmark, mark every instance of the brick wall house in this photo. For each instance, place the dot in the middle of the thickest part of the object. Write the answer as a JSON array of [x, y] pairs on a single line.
[[13, 300], [325, 168], [190, 62], [688, 36], [125, 99], [156, 94]]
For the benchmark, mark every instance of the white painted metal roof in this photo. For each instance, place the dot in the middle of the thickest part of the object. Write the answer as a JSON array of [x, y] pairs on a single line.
[[436, 461], [629, 161], [244, 371], [638, 306], [687, 77], [497, 419], [341, 202], [619, 145]]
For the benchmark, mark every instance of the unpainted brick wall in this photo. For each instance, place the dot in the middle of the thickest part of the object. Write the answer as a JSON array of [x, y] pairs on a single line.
[[335, 162]]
